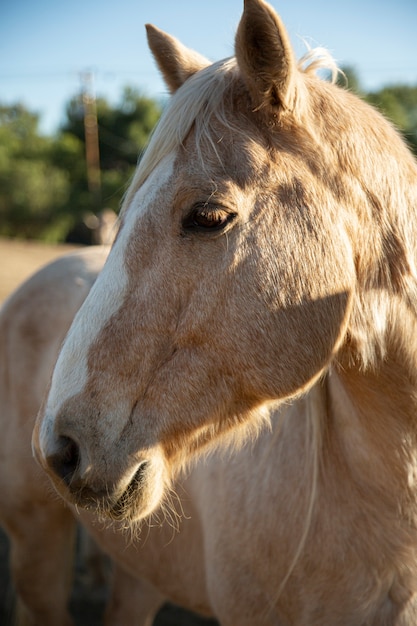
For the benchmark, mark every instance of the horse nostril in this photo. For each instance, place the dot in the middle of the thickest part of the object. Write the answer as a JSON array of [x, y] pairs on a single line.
[[65, 461]]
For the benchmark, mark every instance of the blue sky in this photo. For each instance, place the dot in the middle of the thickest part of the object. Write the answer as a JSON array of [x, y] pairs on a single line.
[[46, 44]]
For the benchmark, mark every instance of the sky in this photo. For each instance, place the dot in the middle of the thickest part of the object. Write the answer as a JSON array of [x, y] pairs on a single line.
[[45, 45]]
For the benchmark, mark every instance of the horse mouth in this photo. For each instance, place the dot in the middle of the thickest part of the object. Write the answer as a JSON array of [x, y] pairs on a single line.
[[129, 500]]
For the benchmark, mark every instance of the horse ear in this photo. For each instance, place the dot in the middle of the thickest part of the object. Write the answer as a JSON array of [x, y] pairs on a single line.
[[265, 56], [175, 61]]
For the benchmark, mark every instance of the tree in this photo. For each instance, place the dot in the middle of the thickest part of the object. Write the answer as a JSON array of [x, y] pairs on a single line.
[[33, 188], [43, 180]]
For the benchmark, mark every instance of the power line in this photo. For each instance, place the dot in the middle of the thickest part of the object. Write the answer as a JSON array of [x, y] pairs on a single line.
[[108, 74]]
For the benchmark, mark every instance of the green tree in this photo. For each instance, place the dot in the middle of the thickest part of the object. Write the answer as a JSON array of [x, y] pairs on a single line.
[[33, 188], [43, 180]]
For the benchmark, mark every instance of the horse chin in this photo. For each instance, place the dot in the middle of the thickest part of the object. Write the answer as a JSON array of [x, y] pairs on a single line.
[[140, 498]]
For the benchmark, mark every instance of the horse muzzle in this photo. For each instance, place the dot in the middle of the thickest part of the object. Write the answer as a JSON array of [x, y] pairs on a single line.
[[108, 487]]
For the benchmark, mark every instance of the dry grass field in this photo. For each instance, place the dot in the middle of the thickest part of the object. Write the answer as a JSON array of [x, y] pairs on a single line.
[[18, 261]]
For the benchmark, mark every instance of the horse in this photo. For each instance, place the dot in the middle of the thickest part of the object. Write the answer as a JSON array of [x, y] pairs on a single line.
[[263, 273]]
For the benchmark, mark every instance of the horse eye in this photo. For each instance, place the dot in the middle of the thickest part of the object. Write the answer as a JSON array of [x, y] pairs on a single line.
[[204, 217]]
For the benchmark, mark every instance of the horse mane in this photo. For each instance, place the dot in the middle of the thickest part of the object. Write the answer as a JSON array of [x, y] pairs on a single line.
[[197, 100]]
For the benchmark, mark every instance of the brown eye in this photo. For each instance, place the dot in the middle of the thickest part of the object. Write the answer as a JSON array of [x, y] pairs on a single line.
[[205, 217]]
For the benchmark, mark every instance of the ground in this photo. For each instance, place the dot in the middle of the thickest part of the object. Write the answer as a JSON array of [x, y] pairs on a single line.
[[18, 260]]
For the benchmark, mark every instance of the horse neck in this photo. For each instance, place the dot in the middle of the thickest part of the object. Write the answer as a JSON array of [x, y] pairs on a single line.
[[372, 413]]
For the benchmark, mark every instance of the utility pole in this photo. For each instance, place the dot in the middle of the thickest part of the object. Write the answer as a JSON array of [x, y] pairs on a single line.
[[92, 153]]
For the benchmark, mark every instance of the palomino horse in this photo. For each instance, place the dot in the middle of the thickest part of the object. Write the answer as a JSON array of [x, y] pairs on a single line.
[[266, 255]]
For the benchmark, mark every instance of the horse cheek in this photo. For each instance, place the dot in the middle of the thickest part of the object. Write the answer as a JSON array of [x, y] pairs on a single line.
[[290, 352], [293, 329]]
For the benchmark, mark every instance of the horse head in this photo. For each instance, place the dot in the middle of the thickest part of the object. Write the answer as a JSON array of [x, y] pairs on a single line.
[[233, 279]]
